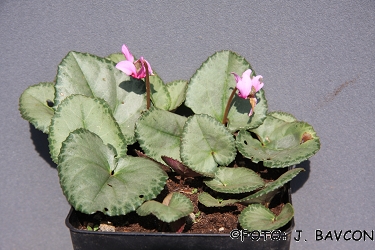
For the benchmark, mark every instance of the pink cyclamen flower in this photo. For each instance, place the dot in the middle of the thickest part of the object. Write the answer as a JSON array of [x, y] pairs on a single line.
[[247, 86], [136, 69]]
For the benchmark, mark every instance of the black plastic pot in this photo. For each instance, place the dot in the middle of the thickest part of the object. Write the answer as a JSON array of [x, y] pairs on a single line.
[[83, 239]]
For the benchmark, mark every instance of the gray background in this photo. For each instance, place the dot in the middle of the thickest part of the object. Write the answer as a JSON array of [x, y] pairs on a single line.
[[317, 59]]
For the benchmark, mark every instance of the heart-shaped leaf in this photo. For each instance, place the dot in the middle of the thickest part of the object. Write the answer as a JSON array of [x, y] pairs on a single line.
[[89, 75], [273, 185], [94, 179], [177, 92], [209, 201], [235, 180], [167, 96], [279, 143], [211, 86], [78, 111], [206, 143], [158, 133], [179, 206], [159, 93], [36, 103], [258, 217]]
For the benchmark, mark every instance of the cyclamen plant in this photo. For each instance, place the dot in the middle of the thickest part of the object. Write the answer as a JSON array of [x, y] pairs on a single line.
[[98, 107]]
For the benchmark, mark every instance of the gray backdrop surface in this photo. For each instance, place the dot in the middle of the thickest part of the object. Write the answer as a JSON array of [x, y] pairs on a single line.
[[317, 59]]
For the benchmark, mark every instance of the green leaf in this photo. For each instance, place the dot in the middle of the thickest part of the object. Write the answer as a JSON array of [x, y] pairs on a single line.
[[36, 103], [279, 143], [92, 76], [177, 92], [235, 180], [283, 116], [274, 185], [79, 111], [206, 143], [159, 93], [158, 133], [94, 179], [211, 86], [179, 206], [209, 201], [258, 217], [116, 57], [167, 96], [237, 119], [264, 198]]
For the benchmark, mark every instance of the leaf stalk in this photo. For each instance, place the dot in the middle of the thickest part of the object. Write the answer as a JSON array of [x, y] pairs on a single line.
[[225, 117]]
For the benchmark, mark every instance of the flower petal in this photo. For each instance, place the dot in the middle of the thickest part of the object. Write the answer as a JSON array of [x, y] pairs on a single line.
[[244, 84], [247, 73], [127, 53], [140, 68], [127, 67], [248, 86], [149, 68], [237, 77], [257, 82]]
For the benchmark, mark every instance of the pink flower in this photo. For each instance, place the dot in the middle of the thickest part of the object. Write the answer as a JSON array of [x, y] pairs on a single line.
[[136, 69], [248, 86]]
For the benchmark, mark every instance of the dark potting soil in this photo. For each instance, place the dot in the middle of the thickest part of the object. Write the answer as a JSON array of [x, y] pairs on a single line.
[[203, 220]]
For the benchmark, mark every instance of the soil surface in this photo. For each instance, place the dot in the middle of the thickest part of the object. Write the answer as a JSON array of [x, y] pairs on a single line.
[[203, 220]]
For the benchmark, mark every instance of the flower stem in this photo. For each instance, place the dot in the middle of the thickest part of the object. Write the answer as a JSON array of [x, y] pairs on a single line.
[[147, 89], [225, 117]]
